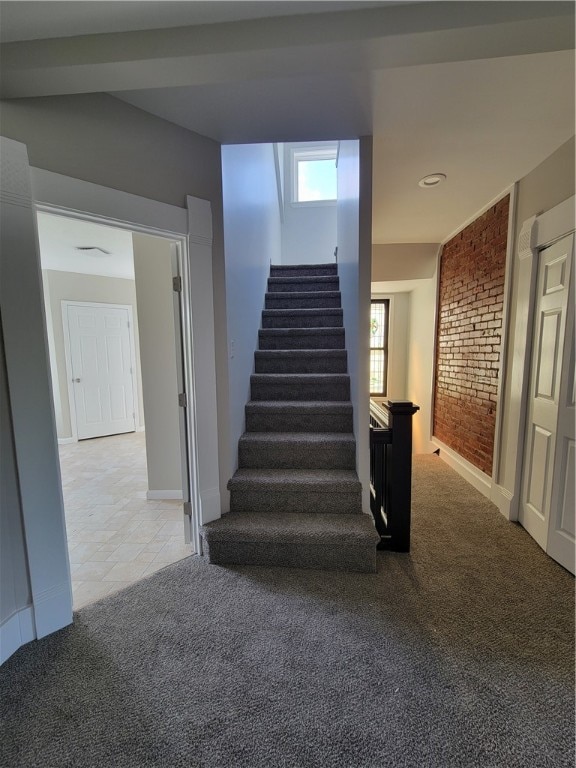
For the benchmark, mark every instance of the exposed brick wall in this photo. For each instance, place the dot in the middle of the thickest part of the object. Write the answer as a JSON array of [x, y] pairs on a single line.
[[469, 334]]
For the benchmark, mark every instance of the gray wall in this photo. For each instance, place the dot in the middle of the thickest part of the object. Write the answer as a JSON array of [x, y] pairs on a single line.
[[153, 280], [549, 184], [14, 579], [74, 286], [100, 139], [252, 232]]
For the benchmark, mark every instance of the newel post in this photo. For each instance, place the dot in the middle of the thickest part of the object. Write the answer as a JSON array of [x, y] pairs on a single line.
[[400, 473]]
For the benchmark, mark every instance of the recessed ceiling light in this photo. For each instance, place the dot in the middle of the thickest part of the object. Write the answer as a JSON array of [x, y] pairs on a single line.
[[432, 180]]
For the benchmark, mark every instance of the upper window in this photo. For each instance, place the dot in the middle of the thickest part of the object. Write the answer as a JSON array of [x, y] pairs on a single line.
[[378, 346], [314, 175]]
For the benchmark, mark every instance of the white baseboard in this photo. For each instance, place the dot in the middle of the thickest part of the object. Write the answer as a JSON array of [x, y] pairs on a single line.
[[141, 429], [16, 631], [480, 480], [66, 440], [52, 608], [503, 498], [164, 495]]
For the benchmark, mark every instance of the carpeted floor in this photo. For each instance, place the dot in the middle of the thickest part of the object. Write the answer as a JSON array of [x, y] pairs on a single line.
[[459, 654]]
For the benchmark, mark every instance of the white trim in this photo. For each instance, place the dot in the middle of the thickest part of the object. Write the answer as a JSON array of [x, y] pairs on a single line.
[[76, 199], [32, 405], [480, 480], [191, 229], [66, 303], [536, 233], [164, 495], [503, 499], [555, 223], [15, 631], [141, 429], [67, 440], [503, 351]]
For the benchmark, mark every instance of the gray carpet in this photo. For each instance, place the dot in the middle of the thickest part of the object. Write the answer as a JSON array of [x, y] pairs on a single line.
[[459, 654]]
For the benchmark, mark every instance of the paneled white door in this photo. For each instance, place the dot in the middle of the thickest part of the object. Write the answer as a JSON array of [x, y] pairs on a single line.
[[102, 386], [547, 505]]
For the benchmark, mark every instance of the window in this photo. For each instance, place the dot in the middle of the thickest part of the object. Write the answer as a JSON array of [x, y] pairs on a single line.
[[378, 346], [314, 175]]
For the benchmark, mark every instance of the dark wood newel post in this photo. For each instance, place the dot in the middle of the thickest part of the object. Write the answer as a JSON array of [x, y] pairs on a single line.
[[400, 413]]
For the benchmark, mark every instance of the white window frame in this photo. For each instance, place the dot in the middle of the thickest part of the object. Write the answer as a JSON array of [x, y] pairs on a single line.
[[318, 152]]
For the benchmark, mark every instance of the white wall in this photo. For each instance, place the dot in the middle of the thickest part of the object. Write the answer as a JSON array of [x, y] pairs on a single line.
[[309, 232], [411, 349], [252, 242], [354, 257], [155, 297], [74, 286]]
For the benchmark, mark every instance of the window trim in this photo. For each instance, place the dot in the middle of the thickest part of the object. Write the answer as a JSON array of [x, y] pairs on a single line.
[[323, 152], [385, 348]]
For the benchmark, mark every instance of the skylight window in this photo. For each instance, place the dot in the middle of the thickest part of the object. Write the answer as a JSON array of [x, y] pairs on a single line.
[[314, 175]]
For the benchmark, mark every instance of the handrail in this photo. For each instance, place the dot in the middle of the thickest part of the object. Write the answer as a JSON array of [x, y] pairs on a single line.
[[391, 471]]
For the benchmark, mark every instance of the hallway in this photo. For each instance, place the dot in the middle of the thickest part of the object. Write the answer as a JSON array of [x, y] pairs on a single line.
[[115, 536]]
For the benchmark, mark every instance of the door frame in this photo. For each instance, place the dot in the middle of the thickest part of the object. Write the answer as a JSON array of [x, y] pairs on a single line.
[[66, 303], [536, 233], [191, 230]]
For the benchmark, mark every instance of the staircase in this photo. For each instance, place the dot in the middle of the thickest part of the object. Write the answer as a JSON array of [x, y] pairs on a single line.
[[295, 499]]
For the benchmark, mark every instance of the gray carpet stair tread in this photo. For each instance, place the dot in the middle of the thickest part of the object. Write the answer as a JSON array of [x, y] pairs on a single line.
[[307, 312], [300, 378], [275, 354], [309, 331], [303, 280], [299, 438], [292, 528], [298, 407], [330, 267], [295, 480], [304, 295]]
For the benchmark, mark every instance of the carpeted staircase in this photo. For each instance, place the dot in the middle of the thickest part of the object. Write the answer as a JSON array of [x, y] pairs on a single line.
[[295, 499]]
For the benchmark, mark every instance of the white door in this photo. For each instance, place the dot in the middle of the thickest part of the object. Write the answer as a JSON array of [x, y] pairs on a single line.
[[547, 508], [562, 523], [102, 387]]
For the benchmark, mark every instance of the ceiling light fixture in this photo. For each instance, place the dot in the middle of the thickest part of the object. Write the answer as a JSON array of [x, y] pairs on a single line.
[[432, 180], [93, 248]]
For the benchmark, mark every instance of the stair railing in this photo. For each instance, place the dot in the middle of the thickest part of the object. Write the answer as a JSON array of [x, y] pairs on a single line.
[[391, 471]]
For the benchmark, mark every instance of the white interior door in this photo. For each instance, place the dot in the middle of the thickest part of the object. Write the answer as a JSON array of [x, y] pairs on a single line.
[[102, 387], [547, 436], [562, 523]]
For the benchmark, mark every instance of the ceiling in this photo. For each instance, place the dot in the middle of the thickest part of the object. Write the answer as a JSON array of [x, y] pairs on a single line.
[[60, 238], [482, 92]]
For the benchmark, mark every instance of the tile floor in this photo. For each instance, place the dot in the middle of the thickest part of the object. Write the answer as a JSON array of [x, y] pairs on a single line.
[[115, 536]]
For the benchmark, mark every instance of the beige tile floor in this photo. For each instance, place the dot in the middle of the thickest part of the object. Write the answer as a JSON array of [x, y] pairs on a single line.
[[115, 536]]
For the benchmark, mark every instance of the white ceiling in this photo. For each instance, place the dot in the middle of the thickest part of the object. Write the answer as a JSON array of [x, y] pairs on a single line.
[[482, 92], [60, 237]]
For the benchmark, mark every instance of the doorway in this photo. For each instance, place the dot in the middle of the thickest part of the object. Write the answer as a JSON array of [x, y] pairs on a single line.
[[113, 326], [547, 497]]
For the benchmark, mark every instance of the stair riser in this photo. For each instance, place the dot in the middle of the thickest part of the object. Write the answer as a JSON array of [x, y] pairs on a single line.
[[316, 556], [324, 270], [325, 391], [271, 502], [285, 285], [282, 301], [280, 422], [270, 455], [279, 364], [301, 341], [314, 320]]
